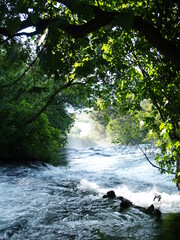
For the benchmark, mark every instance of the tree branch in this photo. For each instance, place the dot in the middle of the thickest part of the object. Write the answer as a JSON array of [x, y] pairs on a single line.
[[101, 19], [22, 75], [155, 166], [51, 99], [155, 38], [150, 81]]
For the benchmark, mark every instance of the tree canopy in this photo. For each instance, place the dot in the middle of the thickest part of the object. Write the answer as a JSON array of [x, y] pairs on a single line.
[[97, 53]]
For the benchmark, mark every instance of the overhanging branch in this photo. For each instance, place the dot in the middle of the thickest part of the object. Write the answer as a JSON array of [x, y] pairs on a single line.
[[21, 76], [101, 19], [155, 166], [50, 100], [155, 38]]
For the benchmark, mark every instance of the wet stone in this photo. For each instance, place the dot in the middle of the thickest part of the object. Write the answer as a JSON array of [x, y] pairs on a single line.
[[125, 203], [110, 194]]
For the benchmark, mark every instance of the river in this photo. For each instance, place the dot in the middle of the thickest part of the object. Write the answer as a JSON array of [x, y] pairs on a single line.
[[45, 202]]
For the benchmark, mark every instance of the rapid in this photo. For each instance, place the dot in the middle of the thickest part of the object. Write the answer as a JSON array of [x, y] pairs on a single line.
[[45, 202]]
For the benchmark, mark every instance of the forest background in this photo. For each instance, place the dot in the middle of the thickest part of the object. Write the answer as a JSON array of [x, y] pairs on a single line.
[[119, 57]]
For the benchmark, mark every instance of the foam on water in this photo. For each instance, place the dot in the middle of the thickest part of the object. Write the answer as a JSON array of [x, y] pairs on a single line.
[[127, 173], [65, 202], [169, 203], [92, 187]]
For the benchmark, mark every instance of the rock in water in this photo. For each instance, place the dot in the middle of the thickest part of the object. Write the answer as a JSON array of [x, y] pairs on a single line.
[[150, 209], [125, 203], [110, 194], [157, 212]]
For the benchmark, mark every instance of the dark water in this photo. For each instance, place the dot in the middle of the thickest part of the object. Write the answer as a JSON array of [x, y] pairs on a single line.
[[65, 202]]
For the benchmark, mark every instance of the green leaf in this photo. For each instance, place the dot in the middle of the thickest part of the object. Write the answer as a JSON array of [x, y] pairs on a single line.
[[162, 126], [166, 136], [168, 145]]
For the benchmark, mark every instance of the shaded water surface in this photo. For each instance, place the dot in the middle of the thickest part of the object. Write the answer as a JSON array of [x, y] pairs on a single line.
[[65, 202]]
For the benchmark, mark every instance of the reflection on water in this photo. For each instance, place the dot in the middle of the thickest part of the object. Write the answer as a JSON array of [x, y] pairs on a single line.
[[65, 202]]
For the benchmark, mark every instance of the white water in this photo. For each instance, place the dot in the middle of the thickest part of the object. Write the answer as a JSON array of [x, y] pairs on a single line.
[[129, 175], [65, 202]]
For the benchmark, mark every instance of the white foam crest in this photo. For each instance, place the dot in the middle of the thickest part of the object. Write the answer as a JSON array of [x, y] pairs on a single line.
[[169, 202], [87, 186]]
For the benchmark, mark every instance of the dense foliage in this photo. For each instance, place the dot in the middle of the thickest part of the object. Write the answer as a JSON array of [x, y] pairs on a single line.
[[21, 137], [100, 53]]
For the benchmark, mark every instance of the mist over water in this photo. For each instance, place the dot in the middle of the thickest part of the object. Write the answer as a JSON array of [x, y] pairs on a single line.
[[65, 202]]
